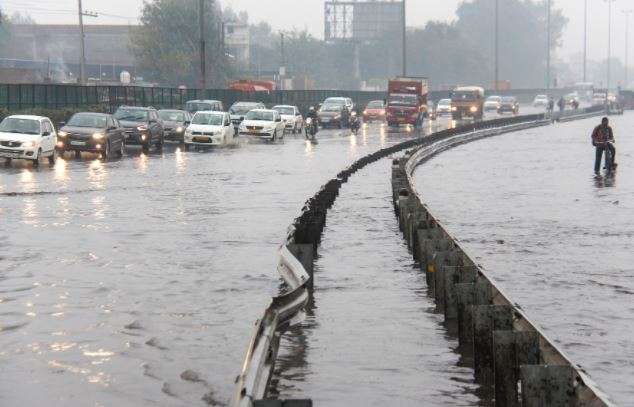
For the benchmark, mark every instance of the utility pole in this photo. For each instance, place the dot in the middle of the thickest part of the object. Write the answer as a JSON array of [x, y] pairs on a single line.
[[585, 39], [282, 62], [203, 65], [404, 18], [497, 49], [548, 44], [609, 43], [627, 46], [82, 41]]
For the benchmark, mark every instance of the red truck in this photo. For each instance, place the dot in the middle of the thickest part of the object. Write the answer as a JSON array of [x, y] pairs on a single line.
[[407, 101], [249, 85]]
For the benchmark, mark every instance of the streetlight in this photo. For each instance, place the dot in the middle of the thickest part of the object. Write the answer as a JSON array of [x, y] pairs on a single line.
[[585, 39], [548, 8], [609, 42], [627, 35], [497, 54]]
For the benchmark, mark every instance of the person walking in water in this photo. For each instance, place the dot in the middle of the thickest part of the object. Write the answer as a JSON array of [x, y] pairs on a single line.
[[602, 138], [561, 104]]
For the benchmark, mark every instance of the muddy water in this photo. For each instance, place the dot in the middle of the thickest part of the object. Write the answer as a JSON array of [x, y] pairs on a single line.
[[136, 282], [371, 337], [557, 239]]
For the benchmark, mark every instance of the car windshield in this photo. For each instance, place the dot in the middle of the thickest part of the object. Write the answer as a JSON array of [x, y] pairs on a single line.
[[375, 104], [335, 101], [260, 115], [331, 108], [403, 100], [242, 108], [171, 116], [131, 115], [87, 120], [285, 110], [444, 102], [493, 99], [541, 97], [464, 95], [193, 107], [207, 119], [508, 99], [16, 125]]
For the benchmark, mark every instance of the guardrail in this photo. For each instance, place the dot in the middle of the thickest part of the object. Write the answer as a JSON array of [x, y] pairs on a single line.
[[296, 263], [511, 355], [570, 115]]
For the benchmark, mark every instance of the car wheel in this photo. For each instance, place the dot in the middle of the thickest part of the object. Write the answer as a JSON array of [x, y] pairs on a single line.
[[52, 158], [160, 142], [274, 138], [77, 154], [121, 151], [7, 162], [185, 147], [105, 155], [146, 147]]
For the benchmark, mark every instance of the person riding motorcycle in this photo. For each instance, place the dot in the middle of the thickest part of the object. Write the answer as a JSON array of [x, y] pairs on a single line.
[[312, 115]]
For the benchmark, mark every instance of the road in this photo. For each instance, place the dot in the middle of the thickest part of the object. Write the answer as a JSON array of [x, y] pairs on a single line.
[[136, 282], [557, 239]]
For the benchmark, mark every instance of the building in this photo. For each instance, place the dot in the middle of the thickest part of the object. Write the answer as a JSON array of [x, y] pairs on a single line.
[[238, 42], [53, 51]]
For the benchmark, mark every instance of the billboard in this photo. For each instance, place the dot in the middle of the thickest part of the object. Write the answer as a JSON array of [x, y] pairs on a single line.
[[362, 20]]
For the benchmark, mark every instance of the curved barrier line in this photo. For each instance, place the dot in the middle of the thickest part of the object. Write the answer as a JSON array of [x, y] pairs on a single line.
[[297, 254], [586, 392]]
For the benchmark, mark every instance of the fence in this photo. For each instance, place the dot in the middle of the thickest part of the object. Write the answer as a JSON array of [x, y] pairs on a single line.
[[28, 96]]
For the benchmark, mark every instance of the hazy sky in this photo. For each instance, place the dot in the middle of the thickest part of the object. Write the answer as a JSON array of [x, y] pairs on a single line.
[[308, 14]]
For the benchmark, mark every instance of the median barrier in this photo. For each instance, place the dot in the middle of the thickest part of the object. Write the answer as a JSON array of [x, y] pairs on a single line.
[[454, 279], [515, 363]]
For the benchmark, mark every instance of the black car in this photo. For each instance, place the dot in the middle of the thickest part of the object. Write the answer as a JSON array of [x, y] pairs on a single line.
[[142, 126], [333, 115], [175, 123], [509, 104], [94, 132]]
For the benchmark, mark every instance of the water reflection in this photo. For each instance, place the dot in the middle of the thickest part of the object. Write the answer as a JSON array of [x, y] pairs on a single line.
[[181, 160], [605, 181], [61, 171], [97, 174]]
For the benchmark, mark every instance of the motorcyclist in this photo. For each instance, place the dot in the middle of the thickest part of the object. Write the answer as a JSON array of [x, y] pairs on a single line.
[[602, 138], [312, 114]]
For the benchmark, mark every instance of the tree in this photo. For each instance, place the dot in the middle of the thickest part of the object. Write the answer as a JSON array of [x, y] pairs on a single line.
[[166, 44]]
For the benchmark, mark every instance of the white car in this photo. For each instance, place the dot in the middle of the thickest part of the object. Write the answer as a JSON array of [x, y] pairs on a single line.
[[209, 128], [292, 118], [443, 107], [28, 138], [264, 124], [540, 101], [492, 103]]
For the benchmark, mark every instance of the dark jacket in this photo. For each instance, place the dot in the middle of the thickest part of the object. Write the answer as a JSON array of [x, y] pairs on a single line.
[[601, 135]]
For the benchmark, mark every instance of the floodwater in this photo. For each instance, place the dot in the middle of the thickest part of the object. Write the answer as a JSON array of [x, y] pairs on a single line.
[[558, 240], [137, 282], [371, 336]]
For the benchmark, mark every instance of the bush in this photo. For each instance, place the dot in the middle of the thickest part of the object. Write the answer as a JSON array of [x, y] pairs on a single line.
[[56, 115]]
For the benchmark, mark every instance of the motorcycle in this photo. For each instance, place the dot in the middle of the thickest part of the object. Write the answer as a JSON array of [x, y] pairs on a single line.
[[311, 127], [355, 123]]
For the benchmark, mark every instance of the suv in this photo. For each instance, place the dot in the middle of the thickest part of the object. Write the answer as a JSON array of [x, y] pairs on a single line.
[[194, 106], [142, 126], [347, 108]]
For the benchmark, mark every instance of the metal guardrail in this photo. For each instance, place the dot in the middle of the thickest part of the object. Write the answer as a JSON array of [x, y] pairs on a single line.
[[296, 258], [508, 349]]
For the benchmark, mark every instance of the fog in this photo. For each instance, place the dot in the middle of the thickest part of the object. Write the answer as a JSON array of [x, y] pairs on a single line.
[[310, 16]]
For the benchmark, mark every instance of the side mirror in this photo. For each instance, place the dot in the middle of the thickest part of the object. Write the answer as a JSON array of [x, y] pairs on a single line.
[[61, 124], [46, 134], [187, 122], [279, 119], [112, 128]]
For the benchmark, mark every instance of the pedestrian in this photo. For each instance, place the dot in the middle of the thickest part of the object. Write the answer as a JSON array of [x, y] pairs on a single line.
[[561, 104], [551, 104], [602, 138]]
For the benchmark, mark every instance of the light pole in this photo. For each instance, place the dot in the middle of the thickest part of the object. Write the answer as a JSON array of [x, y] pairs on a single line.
[[609, 43], [497, 55], [203, 58], [627, 38], [404, 17], [585, 39], [548, 8]]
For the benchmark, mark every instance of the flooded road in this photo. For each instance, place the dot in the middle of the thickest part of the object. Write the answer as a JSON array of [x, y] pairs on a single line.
[[371, 337], [136, 282], [558, 240]]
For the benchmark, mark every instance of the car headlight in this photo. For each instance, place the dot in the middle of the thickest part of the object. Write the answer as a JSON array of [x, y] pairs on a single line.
[[62, 134], [473, 109], [179, 129], [98, 136], [454, 108], [28, 144], [337, 117], [142, 128]]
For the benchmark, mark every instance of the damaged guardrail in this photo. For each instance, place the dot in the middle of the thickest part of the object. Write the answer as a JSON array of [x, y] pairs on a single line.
[[297, 256], [511, 356]]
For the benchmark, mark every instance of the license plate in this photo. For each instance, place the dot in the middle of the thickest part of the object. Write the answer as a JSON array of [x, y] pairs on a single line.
[[253, 132], [201, 139], [9, 155], [77, 143], [325, 120]]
